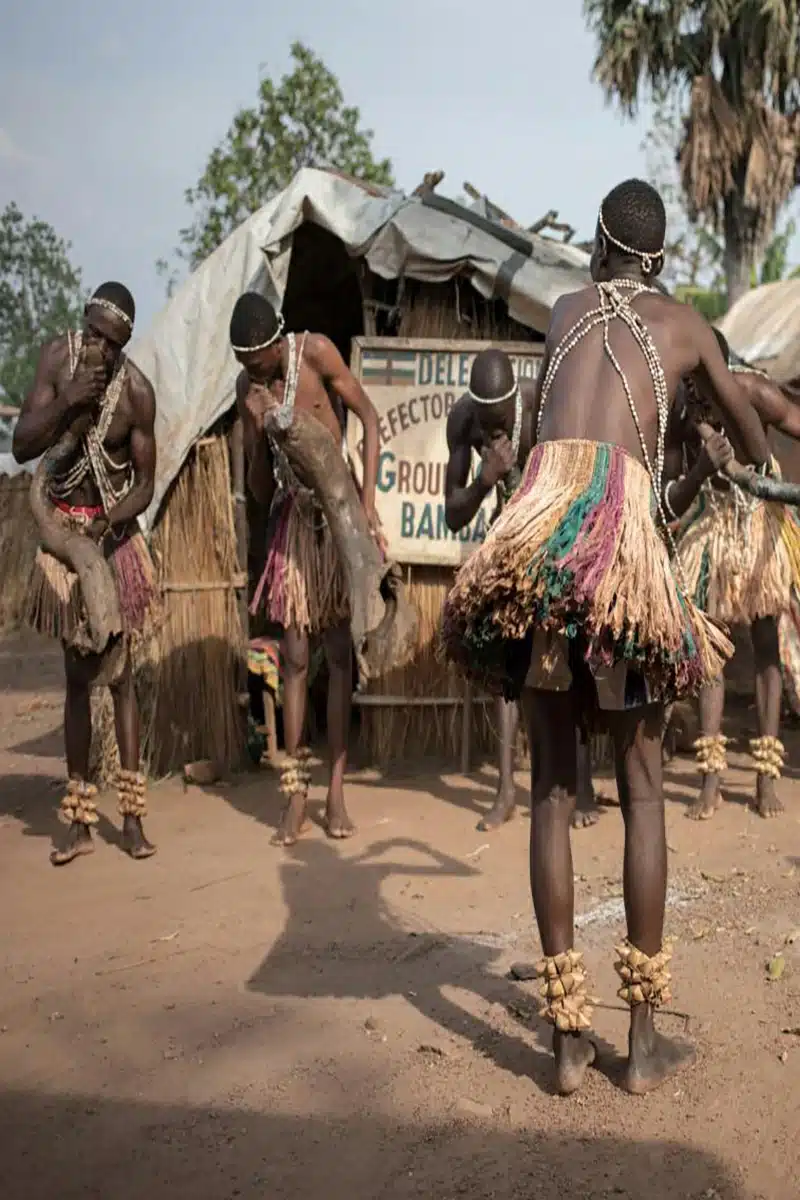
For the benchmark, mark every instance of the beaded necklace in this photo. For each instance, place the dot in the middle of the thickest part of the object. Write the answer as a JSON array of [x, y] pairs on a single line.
[[614, 304], [93, 459]]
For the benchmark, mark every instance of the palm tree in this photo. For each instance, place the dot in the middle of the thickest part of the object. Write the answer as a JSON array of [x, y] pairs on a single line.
[[736, 65]]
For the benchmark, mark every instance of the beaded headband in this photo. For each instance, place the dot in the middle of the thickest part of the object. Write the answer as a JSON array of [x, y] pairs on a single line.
[[494, 399], [263, 345], [646, 258], [109, 306]]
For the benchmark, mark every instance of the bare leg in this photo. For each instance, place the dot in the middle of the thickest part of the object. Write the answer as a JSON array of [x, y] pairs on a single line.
[[586, 811], [637, 752], [550, 716], [339, 653], [712, 706], [503, 808], [295, 695], [769, 690], [78, 740], [126, 723]]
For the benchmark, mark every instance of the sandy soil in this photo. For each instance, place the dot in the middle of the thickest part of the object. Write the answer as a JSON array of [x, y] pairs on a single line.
[[230, 1020]]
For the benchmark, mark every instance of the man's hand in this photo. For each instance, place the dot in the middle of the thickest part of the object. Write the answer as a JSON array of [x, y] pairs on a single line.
[[258, 402], [376, 529], [496, 461], [85, 388], [97, 529], [716, 453]]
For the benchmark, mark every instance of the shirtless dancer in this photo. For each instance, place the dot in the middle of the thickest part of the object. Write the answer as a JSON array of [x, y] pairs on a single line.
[[303, 583], [101, 495], [494, 419], [572, 602], [741, 560]]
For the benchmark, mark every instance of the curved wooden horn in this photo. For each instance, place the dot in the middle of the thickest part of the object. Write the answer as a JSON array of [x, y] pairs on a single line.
[[383, 623], [763, 488]]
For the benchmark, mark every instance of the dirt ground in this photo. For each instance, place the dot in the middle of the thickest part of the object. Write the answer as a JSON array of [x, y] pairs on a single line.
[[228, 1019]]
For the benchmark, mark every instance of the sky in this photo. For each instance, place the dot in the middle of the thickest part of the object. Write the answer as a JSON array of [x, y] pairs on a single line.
[[108, 110]]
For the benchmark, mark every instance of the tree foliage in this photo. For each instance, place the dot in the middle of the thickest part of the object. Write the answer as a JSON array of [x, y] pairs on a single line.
[[300, 121], [41, 296], [733, 67], [695, 258]]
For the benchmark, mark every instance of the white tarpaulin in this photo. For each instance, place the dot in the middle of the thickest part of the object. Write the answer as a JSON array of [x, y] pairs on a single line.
[[186, 354]]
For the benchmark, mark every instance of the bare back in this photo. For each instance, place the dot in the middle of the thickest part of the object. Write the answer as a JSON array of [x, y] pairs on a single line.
[[587, 397]]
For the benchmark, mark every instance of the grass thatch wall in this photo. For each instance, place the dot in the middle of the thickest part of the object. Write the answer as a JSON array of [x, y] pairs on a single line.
[[17, 548]]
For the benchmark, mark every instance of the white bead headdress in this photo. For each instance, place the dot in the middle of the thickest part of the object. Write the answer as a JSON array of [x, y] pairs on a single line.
[[263, 345], [110, 306], [494, 399], [646, 258]]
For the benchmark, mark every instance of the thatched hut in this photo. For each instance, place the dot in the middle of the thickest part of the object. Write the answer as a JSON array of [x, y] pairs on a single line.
[[345, 259]]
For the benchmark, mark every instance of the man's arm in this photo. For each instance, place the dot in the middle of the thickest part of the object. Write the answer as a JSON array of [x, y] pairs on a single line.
[[335, 373], [47, 412], [143, 453], [772, 404], [260, 473], [745, 427], [461, 500]]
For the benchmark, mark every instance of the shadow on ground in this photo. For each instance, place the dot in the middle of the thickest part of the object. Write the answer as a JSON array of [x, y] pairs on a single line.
[[65, 1147]]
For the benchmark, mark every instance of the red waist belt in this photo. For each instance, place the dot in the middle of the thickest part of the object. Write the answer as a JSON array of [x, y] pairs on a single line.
[[89, 511]]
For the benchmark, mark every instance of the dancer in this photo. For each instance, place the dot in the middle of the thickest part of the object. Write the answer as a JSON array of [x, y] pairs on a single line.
[[493, 419], [101, 496], [741, 560], [572, 602], [303, 586]]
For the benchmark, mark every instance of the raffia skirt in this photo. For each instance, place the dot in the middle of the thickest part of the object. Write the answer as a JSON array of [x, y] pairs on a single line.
[[55, 606], [574, 577], [303, 585], [740, 558]]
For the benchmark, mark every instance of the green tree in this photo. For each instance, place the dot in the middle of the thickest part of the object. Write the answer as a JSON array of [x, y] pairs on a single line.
[[301, 121], [733, 66], [41, 296]]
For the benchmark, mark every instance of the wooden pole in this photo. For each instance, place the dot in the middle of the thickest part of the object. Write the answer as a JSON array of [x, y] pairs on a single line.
[[466, 730], [240, 526]]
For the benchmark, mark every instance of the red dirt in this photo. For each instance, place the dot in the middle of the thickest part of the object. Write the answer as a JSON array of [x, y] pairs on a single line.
[[229, 1019]]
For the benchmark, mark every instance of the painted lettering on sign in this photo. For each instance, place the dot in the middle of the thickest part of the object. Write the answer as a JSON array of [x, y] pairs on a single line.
[[414, 386]]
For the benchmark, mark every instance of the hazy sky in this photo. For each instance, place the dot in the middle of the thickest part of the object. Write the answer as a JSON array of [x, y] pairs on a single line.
[[108, 110]]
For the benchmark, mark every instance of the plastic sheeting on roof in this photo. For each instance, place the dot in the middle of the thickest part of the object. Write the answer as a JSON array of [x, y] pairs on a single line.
[[764, 328], [186, 354]]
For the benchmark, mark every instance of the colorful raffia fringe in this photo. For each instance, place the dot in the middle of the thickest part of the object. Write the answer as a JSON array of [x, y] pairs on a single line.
[[303, 578], [55, 606], [577, 550], [740, 558]]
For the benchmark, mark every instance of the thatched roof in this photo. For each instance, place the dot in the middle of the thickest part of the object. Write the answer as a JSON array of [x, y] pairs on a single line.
[[186, 355], [764, 328]]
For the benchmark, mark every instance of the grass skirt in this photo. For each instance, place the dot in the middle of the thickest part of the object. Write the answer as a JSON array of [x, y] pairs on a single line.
[[576, 552], [303, 585], [740, 557], [55, 605]]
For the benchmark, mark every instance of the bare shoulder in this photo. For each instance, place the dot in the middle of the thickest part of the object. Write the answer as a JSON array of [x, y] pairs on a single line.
[[141, 392], [320, 351], [242, 383], [54, 355], [459, 421]]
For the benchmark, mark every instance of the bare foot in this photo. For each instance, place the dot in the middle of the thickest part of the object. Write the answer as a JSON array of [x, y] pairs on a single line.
[[574, 1052], [707, 802], [586, 812], [337, 820], [78, 841], [134, 842], [652, 1058], [766, 802], [499, 814], [293, 822]]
